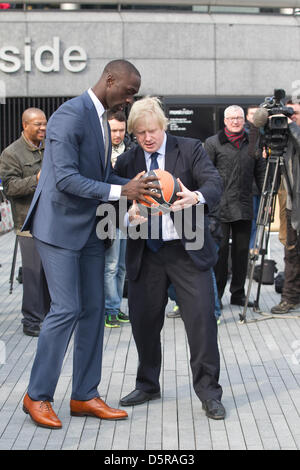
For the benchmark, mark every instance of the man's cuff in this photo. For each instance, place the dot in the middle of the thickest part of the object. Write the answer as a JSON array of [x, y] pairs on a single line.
[[115, 192], [201, 199]]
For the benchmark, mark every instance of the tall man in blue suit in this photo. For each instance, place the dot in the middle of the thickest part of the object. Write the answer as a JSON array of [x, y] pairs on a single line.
[[77, 175]]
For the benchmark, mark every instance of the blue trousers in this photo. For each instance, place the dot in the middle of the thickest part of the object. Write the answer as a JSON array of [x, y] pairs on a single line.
[[75, 281], [115, 272]]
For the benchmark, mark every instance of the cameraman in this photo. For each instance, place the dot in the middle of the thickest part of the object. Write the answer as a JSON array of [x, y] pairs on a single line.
[[290, 298]]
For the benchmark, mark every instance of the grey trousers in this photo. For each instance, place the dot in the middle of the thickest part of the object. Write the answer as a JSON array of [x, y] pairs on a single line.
[[36, 298]]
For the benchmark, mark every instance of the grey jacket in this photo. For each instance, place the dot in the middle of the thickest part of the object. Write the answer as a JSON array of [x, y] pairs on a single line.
[[19, 164]]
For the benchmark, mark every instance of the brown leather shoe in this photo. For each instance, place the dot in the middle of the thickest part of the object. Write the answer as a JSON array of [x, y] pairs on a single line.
[[96, 407], [41, 413]]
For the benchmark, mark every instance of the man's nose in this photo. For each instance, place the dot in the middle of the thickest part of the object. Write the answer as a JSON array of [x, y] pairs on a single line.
[[129, 100]]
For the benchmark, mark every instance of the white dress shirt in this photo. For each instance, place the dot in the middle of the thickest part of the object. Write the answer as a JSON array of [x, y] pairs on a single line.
[[168, 229], [115, 189]]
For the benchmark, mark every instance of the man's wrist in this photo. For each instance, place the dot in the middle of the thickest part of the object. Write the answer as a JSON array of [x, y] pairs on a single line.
[[198, 197]]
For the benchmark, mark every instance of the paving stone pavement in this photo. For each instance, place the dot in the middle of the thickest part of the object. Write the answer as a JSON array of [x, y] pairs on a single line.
[[260, 376]]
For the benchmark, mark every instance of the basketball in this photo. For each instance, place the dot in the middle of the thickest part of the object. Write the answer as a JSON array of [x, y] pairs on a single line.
[[165, 196]]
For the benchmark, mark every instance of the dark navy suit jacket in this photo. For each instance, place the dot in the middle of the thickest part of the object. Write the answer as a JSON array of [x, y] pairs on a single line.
[[74, 177]]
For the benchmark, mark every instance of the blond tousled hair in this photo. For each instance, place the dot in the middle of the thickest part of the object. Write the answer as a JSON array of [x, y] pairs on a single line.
[[141, 109]]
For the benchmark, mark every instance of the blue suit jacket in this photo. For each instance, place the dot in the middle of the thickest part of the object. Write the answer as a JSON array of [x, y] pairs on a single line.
[[74, 178]]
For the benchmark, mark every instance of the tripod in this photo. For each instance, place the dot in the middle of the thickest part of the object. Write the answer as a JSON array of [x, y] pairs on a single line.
[[274, 169]]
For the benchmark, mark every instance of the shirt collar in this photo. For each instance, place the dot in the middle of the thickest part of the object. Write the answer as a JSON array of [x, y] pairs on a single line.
[[97, 103], [31, 145]]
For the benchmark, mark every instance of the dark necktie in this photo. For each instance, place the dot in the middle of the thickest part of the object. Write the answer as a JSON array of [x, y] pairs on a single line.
[[156, 243]]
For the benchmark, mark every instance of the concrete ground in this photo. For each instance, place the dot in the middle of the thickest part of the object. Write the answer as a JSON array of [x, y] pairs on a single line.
[[260, 376]]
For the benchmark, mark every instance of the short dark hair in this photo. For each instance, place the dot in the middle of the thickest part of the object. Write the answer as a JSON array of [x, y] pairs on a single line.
[[118, 115], [120, 65], [252, 106]]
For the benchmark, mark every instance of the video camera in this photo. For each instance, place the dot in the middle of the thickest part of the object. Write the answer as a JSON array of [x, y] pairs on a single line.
[[274, 105], [272, 119]]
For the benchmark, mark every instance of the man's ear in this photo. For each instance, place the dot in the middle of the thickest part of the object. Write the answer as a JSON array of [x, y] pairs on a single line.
[[110, 80]]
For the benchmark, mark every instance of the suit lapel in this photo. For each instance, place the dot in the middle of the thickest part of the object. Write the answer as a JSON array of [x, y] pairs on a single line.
[[172, 153], [95, 125], [139, 160]]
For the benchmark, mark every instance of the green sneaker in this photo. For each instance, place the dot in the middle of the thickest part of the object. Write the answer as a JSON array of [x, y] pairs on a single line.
[[111, 321], [122, 317]]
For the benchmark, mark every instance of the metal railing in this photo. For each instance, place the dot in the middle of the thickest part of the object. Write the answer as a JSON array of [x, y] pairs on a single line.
[[11, 115], [184, 3]]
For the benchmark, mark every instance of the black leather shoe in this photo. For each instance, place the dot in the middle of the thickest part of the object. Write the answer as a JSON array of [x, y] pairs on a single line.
[[137, 397], [31, 330], [241, 302], [214, 409]]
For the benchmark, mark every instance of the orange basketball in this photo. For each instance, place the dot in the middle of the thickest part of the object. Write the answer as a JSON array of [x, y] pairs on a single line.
[[166, 195]]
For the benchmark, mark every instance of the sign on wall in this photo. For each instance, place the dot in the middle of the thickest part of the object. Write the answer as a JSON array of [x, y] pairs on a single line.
[[46, 58]]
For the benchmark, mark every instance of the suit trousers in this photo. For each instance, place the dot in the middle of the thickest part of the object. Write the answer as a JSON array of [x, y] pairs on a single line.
[[75, 281], [36, 299], [239, 231], [148, 297]]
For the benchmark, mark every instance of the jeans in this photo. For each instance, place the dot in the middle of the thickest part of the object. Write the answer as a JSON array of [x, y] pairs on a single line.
[[114, 274]]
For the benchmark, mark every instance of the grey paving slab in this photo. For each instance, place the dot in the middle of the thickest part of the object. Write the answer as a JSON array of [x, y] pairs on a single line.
[[260, 376]]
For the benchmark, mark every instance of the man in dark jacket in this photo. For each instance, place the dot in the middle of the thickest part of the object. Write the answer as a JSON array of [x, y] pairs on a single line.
[[228, 151], [20, 165], [153, 264]]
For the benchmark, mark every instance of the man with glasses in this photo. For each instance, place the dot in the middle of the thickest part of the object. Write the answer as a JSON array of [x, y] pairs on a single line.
[[20, 166], [228, 150]]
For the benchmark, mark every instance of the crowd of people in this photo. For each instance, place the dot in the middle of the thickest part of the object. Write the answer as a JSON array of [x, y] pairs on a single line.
[[73, 282]]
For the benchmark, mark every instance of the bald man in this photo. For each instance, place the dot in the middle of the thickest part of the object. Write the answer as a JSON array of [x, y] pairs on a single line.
[[20, 166]]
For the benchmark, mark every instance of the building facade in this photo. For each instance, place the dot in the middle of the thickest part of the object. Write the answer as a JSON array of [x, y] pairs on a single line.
[[197, 62]]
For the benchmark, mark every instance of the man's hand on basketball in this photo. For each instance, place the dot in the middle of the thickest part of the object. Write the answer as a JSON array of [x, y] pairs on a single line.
[[187, 198], [139, 187]]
